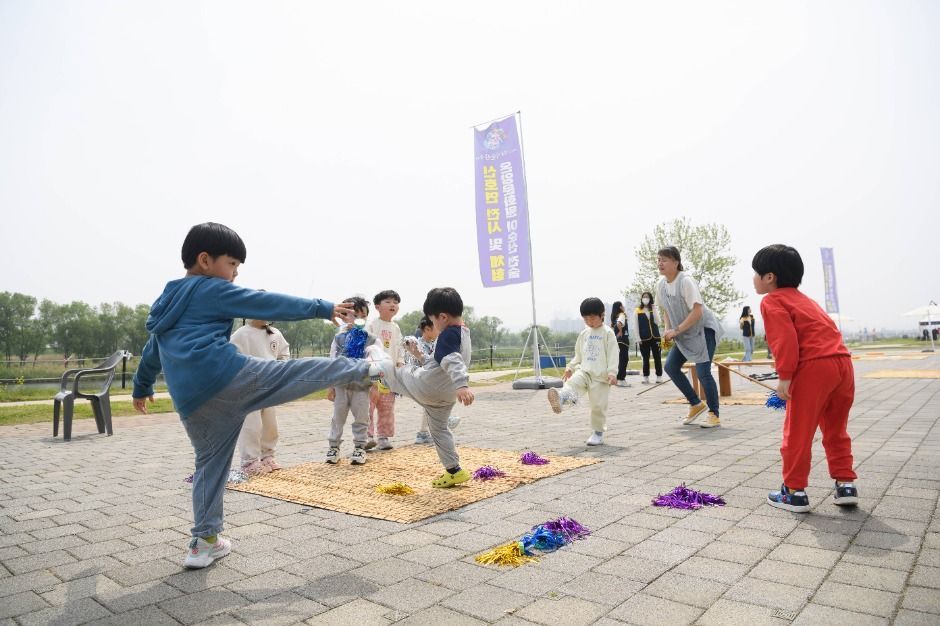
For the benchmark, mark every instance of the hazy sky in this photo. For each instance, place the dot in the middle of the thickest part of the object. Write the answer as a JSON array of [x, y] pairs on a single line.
[[336, 139]]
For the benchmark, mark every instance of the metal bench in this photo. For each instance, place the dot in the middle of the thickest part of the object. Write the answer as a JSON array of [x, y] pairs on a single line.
[[100, 398]]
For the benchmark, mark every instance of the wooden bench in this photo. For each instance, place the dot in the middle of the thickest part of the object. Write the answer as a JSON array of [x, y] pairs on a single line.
[[724, 376]]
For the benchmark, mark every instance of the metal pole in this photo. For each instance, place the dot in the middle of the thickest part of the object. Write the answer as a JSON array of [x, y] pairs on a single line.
[[124, 372], [930, 326], [535, 344]]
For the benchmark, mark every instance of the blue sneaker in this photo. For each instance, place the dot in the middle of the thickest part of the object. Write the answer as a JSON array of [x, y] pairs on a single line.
[[846, 494], [796, 501], [423, 437]]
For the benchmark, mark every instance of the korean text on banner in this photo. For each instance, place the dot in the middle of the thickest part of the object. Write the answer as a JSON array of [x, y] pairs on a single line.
[[501, 206], [829, 278]]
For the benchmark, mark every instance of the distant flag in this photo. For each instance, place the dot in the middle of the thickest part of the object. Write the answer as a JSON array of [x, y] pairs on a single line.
[[501, 205], [829, 278]]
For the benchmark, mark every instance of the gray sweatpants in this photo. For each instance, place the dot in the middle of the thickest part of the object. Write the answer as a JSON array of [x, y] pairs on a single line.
[[350, 399], [432, 388]]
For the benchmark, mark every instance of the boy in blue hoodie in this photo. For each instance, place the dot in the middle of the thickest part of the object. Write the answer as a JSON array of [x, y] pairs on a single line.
[[212, 384]]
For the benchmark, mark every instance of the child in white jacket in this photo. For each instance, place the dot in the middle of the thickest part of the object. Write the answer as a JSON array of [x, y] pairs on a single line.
[[592, 370]]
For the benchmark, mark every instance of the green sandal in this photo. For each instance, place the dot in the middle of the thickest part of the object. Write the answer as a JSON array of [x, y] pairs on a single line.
[[449, 480]]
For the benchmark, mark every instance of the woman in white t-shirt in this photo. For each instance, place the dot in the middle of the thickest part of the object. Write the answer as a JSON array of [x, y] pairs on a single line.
[[258, 437], [695, 331]]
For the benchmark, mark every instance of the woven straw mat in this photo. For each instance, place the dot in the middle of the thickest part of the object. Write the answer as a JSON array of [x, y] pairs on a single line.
[[351, 488]]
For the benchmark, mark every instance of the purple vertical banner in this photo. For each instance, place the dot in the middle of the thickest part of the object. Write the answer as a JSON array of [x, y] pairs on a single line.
[[829, 279], [501, 206]]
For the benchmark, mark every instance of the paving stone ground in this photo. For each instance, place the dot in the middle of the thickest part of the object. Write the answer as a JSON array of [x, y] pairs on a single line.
[[94, 530]]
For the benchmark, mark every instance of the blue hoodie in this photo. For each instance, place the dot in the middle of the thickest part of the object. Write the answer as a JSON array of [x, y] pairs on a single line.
[[189, 326]]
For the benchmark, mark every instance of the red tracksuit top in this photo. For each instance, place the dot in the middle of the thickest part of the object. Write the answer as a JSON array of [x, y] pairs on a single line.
[[798, 330]]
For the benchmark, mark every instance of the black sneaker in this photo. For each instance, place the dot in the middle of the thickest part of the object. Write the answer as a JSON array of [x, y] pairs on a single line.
[[846, 494], [796, 501]]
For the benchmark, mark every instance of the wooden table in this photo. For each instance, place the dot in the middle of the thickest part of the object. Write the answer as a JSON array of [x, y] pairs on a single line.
[[724, 376]]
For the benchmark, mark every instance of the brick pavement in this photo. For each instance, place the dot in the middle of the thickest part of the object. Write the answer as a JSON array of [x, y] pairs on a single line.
[[94, 530]]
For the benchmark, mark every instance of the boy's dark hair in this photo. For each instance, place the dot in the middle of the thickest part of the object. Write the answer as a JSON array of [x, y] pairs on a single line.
[[592, 306], [359, 305], [784, 261], [216, 239], [672, 252], [383, 295], [424, 323], [443, 300]]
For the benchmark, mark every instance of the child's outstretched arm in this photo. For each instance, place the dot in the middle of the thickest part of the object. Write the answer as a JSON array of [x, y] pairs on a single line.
[[234, 301]]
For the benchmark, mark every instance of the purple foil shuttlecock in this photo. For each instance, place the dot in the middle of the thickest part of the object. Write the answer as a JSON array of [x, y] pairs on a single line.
[[775, 402], [567, 527], [188, 479], [684, 498], [531, 458], [488, 472]]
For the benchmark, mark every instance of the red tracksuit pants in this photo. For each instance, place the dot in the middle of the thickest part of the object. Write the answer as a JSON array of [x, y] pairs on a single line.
[[821, 395]]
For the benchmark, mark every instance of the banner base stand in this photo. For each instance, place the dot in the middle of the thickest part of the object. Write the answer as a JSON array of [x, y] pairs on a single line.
[[533, 382]]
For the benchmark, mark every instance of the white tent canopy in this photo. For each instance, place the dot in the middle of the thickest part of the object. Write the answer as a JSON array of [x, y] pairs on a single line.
[[931, 310]]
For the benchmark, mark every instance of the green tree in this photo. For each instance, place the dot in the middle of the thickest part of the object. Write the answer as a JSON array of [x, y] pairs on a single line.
[[134, 331], [487, 331], [16, 314], [409, 322], [706, 256]]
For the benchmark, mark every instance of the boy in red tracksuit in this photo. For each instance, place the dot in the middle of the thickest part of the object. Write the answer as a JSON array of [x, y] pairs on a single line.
[[816, 379]]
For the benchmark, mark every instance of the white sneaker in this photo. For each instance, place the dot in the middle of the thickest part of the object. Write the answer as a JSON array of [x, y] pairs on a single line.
[[202, 553], [453, 422], [358, 457], [595, 440], [622, 383], [554, 399], [384, 444], [332, 456], [659, 379], [646, 380]]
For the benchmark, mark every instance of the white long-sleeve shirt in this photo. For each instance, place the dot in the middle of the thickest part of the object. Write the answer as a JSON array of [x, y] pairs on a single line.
[[596, 352], [389, 337]]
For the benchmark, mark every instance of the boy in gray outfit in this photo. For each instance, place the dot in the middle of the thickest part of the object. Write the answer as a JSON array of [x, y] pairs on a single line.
[[441, 381], [351, 341]]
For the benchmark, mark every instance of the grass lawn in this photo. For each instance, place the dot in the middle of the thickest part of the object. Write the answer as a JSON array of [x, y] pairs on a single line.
[[23, 393], [43, 412], [32, 413]]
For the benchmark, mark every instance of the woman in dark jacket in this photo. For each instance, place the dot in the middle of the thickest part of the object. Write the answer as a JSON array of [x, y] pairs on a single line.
[[618, 321], [747, 328], [647, 324]]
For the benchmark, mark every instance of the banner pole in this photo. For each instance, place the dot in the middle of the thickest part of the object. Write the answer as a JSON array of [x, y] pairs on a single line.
[[537, 364]]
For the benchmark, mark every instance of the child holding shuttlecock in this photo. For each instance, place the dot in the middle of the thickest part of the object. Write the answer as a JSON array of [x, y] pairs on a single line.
[[817, 380]]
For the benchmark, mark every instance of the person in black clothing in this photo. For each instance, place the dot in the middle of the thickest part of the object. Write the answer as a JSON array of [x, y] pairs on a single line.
[[648, 330], [618, 322], [747, 328]]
